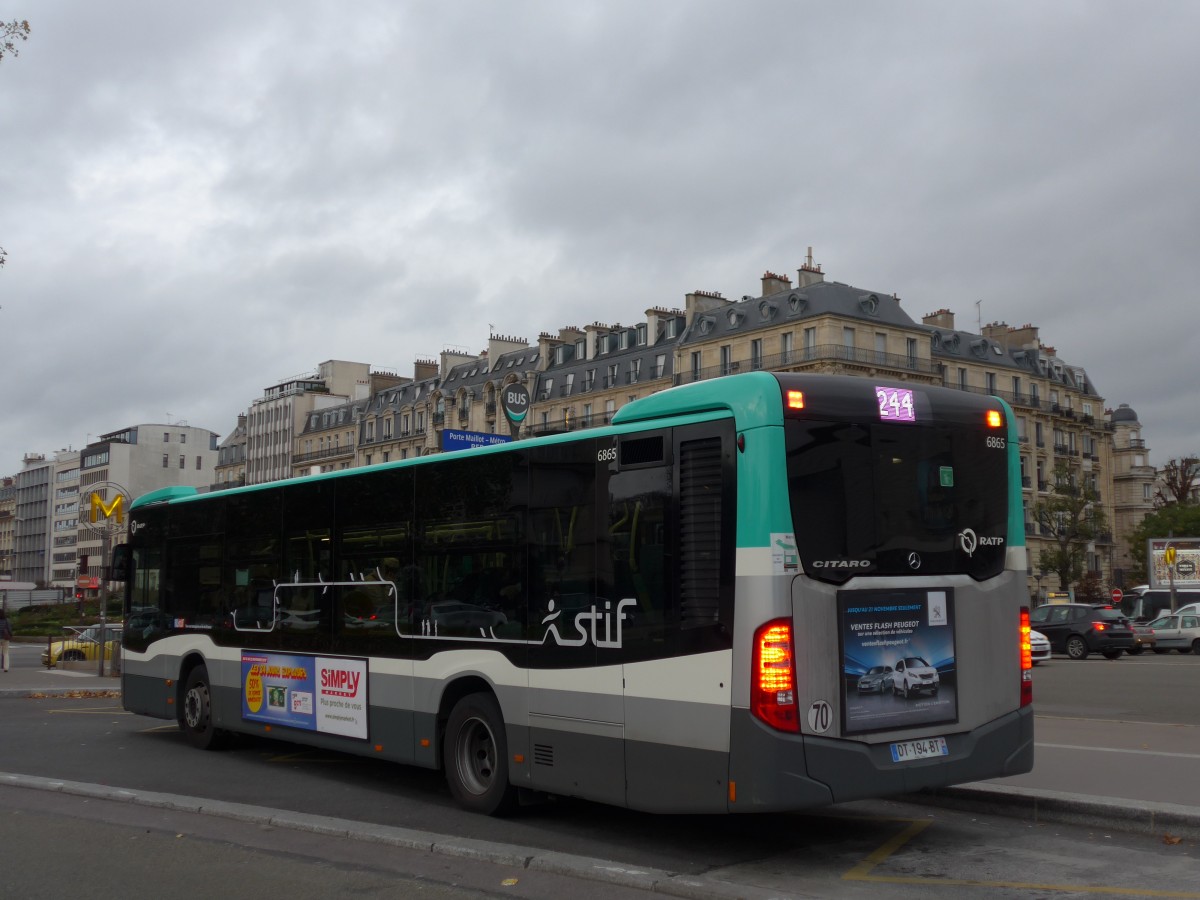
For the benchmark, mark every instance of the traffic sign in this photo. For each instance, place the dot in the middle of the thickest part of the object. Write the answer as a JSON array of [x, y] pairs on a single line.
[[1117, 595]]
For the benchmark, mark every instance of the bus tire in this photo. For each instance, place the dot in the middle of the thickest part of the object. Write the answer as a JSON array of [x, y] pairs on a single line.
[[475, 755], [1076, 647], [195, 715]]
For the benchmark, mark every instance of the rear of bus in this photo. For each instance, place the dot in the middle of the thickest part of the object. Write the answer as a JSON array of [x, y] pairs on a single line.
[[880, 595]]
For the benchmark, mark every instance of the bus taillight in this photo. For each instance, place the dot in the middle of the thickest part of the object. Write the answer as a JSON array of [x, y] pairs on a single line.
[[1026, 659], [773, 692]]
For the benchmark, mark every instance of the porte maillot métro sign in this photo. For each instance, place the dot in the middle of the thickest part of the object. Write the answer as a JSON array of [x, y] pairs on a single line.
[[515, 401]]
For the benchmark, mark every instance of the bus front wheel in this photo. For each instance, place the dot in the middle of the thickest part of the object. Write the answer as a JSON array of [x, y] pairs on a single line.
[[475, 754], [195, 718]]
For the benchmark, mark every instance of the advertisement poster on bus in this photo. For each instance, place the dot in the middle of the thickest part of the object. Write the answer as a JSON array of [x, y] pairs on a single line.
[[898, 662], [322, 694]]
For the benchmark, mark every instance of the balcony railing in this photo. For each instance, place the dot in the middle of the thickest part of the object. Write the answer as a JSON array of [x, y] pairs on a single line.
[[327, 453], [574, 423], [819, 353]]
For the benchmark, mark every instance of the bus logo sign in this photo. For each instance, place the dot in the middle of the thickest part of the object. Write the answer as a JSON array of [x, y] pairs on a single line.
[[515, 400]]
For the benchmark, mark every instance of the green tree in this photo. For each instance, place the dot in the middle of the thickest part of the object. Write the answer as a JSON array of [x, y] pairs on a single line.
[[1180, 521], [1072, 517], [1089, 589]]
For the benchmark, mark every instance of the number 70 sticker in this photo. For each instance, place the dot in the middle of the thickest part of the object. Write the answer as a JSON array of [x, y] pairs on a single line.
[[820, 716]]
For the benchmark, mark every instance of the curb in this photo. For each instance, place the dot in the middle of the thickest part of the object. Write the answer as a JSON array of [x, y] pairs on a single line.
[[1041, 806], [651, 880]]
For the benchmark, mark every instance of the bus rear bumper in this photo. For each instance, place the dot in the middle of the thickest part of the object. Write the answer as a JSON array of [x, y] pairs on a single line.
[[783, 772]]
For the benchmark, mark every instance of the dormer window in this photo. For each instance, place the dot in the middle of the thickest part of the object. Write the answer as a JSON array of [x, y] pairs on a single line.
[[869, 304], [641, 335]]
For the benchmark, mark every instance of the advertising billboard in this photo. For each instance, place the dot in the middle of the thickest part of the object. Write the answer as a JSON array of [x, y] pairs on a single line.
[[314, 693], [1183, 554], [898, 658]]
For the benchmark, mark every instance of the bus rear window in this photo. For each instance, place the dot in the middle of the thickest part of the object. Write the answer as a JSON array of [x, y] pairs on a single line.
[[884, 498]]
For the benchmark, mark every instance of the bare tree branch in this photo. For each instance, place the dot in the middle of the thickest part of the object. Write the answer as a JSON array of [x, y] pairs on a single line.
[[1179, 477], [10, 33]]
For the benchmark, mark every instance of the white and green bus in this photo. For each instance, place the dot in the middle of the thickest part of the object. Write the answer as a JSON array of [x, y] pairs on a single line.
[[759, 592]]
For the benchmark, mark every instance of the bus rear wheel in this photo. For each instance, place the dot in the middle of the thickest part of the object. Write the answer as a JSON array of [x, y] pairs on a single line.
[[195, 717], [475, 755]]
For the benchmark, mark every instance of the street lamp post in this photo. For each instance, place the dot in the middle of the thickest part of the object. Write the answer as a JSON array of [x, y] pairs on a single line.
[[1038, 578]]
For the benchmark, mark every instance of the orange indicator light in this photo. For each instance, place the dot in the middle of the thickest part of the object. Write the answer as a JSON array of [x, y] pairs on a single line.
[[795, 399], [994, 419], [424, 742]]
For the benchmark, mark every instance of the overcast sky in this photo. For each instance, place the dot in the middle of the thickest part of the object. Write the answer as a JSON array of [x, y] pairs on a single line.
[[202, 200]]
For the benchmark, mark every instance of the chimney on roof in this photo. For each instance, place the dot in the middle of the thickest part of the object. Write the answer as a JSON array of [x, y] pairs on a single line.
[[809, 273], [775, 284], [424, 369], [943, 318], [997, 331], [701, 302], [1024, 338]]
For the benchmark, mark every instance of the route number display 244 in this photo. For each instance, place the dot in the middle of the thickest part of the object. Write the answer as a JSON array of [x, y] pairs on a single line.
[[895, 404]]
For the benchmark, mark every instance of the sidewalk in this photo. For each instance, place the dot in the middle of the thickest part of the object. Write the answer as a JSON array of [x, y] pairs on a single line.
[[42, 682]]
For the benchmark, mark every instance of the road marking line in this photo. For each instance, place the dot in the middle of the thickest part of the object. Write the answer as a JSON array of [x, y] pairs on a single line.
[[863, 872], [1119, 750]]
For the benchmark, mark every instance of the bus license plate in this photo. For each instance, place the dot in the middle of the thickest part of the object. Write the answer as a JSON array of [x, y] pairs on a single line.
[[904, 751]]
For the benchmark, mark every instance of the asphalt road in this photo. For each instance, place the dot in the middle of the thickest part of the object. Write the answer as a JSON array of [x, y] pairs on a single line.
[[887, 848], [1127, 728]]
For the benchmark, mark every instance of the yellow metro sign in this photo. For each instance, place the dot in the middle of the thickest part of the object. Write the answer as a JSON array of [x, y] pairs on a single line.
[[108, 510]]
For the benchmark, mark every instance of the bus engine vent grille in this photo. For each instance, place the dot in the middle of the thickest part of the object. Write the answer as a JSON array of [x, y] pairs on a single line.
[[543, 755], [700, 531]]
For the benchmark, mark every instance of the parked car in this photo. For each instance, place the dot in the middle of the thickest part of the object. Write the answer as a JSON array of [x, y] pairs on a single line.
[[1143, 638], [913, 675], [1078, 629], [875, 679], [1177, 632], [1039, 647], [83, 644]]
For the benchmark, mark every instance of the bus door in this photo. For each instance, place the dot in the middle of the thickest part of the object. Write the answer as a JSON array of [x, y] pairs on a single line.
[[671, 564], [575, 711]]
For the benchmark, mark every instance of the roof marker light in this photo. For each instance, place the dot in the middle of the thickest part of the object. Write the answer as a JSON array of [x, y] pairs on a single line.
[[994, 419], [795, 399]]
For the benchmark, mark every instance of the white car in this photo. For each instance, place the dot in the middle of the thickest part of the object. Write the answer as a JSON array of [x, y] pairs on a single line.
[[1039, 647], [1177, 632], [912, 675]]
